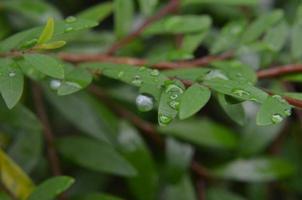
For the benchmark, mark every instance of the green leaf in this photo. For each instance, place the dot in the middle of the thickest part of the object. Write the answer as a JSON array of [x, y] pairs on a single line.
[[145, 185], [86, 114], [229, 37], [13, 177], [147, 7], [95, 155], [179, 24], [50, 188], [75, 80], [123, 17], [169, 103], [178, 159], [296, 48], [234, 111], [238, 89], [97, 196], [276, 37], [262, 24], [202, 133], [219, 194], [45, 64], [273, 111], [227, 2], [294, 95], [47, 32], [12, 80], [51, 45], [97, 12], [254, 170], [193, 99], [4, 196], [192, 74], [190, 42]]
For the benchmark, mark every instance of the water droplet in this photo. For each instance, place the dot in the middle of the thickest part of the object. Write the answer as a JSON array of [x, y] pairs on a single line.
[[11, 74], [54, 84], [279, 98], [174, 88], [121, 74], [71, 19], [164, 120], [288, 112], [174, 105], [173, 96], [276, 118], [137, 81], [68, 29], [215, 74], [154, 72], [144, 103], [241, 93], [29, 43]]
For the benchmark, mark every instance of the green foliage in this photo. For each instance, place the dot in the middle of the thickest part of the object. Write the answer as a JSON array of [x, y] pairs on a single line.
[[187, 101]]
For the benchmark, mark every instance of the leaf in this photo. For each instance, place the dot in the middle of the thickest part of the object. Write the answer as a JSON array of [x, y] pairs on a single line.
[[192, 74], [4, 196], [229, 37], [203, 133], [179, 24], [234, 111], [262, 24], [190, 42], [97, 196], [276, 37], [227, 2], [273, 111], [50, 188], [95, 155], [169, 103], [12, 80], [51, 45], [144, 186], [254, 170], [97, 12], [47, 32], [296, 48], [183, 189], [193, 99], [147, 7], [86, 114], [178, 159], [45, 64], [123, 17], [75, 80], [294, 95], [219, 193], [238, 89], [13, 178], [236, 70]]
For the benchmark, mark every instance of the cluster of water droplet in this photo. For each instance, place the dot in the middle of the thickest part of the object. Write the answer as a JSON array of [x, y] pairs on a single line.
[[278, 117], [69, 20], [144, 103]]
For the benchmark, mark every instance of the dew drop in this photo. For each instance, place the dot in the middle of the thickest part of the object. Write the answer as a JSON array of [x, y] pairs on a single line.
[[137, 81], [279, 98], [174, 88], [164, 120], [71, 19], [173, 96], [55, 84], [154, 72], [276, 118], [215, 74], [174, 105], [240, 93], [11, 74], [144, 103], [121, 74], [287, 112], [68, 29]]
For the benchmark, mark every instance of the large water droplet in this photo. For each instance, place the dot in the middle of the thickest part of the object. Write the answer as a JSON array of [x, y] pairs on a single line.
[[276, 118], [54, 84], [174, 88], [215, 74], [164, 120], [137, 81], [287, 112], [71, 19], [11, 74], [68, 29], [154, 72], [174, 105], [241, 93], [144, 103]]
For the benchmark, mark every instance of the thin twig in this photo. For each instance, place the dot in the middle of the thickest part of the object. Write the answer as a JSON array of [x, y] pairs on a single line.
[[170, 7], [148, 128], [48, 133], [279, 71], [200, 184]]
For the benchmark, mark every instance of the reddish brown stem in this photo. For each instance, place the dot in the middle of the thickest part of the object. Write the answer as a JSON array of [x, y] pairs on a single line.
[[170, 7], [48, 133], [279, 71]]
